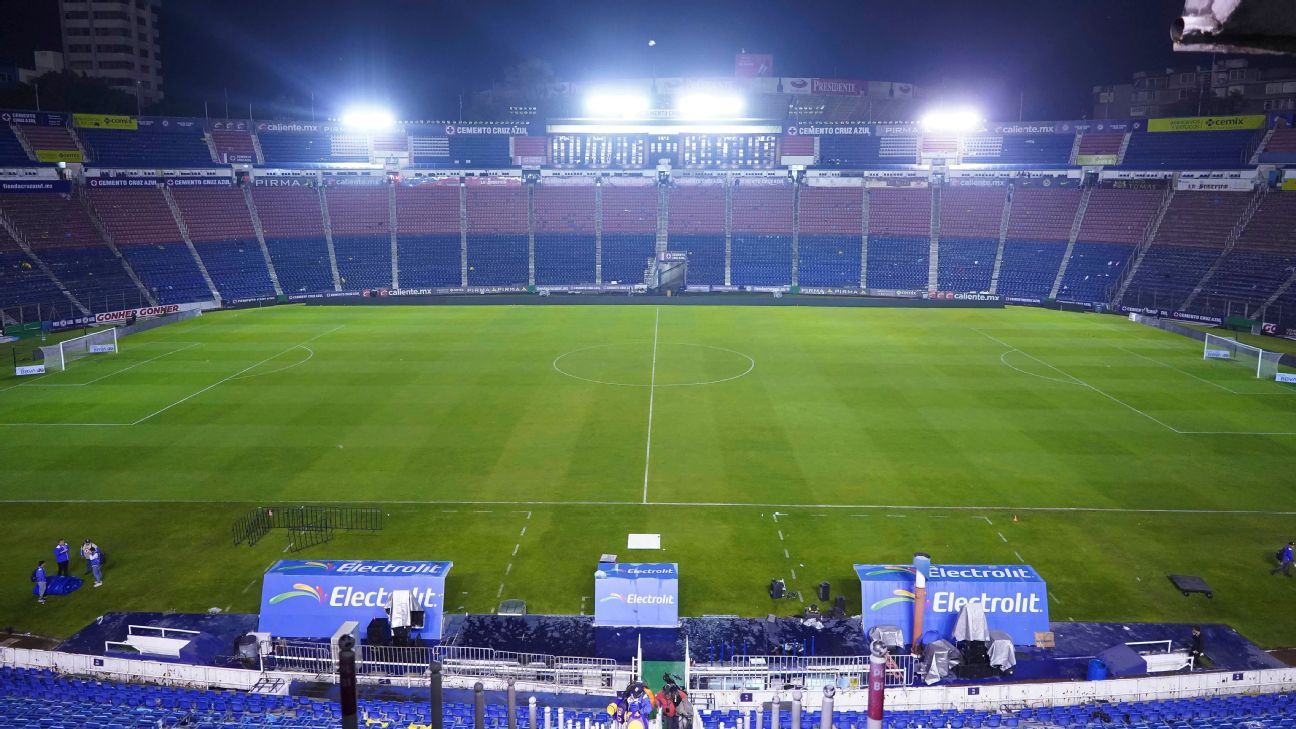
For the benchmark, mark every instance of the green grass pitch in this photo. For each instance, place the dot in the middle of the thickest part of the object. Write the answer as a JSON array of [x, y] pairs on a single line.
[[785, 441]]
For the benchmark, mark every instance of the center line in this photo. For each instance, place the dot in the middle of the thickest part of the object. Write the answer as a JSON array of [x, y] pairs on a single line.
[[652, 388]]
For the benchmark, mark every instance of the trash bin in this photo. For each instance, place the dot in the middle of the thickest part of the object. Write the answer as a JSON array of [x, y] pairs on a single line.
[[1097, 670]]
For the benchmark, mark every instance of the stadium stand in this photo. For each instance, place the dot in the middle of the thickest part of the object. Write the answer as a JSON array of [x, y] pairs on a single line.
[[497, 235], [233, 146], [21, 281], [762, 234], [486, 151], [294, 235], [564, 234], [899, 226], [139, 148], [60, 231], [1114, 224], [1038, 227], [969, 236], [1190, 150], [697, 225], [1019, 150], [831, 228], [48, 138], [141, 224], [1281, 147], [11, 150], [868, 151], [222, 233], [428, 244], [1190, 239], [360, 217], [309, 149], [1100, 144], [629, 229], [1262, 260]]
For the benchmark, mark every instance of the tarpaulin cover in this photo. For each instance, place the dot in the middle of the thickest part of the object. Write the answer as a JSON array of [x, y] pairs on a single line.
[[971, 623], [890, 635], [938, 660], [60, 585], [1002, 655]]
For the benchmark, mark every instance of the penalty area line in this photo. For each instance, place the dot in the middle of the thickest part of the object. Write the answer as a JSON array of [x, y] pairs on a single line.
[[652, 391]]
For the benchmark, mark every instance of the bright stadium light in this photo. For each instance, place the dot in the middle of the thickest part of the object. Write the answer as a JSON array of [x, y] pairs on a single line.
[[615, 105], [952, 120], [706, 106], [368, 119]]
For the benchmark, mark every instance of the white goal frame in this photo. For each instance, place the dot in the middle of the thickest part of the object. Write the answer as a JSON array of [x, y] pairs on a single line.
[[1263, 363], [56, 357]]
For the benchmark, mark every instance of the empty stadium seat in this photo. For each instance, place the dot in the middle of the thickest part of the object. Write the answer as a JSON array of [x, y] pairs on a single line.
[[832, 226], [564, 234], [1179, 150], [221, 230], [762, 234], [696, 225], [11, 150], [294, 233], [497, 235], [428, 241], [360, 218], [139, 148]]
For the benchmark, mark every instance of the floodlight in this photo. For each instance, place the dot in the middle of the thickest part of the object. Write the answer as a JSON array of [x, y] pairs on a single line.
[[368, 119], [616, 105], [706, 106], [952, 120]]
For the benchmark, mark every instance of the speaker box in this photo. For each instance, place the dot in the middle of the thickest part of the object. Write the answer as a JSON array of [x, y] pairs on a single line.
[[776, 589], [379, 632], [824, 590]]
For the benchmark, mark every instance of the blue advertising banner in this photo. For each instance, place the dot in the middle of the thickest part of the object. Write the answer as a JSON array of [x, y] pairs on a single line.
[[11, 186], [33, 118], [1015, 597], [636, 594], [155, 181], [169, 124], [311, 599]]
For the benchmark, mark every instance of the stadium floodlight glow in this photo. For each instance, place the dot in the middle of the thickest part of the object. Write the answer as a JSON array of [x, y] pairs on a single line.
[[617, 105], [952, 120], [368, 119], [707, 106]]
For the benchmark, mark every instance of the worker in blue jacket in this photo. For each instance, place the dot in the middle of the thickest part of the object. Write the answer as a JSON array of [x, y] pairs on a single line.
[[62, 554], [1285, 557]]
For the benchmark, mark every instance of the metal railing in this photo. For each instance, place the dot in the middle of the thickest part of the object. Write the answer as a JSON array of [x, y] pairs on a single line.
[[761, 673], [307, 525]]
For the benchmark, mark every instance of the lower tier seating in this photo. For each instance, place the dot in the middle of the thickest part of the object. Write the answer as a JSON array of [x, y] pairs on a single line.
[[897, 262], [706, 258], [829, 260], [1093, 270], [625, 256], [966, 264], [1244, 281], [169, 271], [238, 269], [761, 260], [23, 283], [428, 261], [1167, 275], [95, 276], [363, 261], [1029, 268], [302, 264], [497, 259], [564, 259]]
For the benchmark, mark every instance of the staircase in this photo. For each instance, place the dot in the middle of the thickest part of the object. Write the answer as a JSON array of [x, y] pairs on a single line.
[[1148, 236], [1254, 204], [328, 238], [1003, 235], [864, 236], [256, 147], [1120, 154], [1075, 148], [598, 234], [26, 249], [796, 232], [728, 223], [933, 245], [22, 140], [663, 217], [184, 234], [211, 148], [530, 191], [85, 153], [1258, 313], [1071, 238], [1255, 156], [260, 234], [463, 236], [108, 240], [391, 226]]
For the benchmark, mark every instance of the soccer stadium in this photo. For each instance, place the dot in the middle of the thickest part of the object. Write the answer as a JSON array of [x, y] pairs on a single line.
[[728, 401]]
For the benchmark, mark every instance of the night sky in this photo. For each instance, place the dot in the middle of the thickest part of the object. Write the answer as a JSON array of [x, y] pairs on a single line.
[[419, 55]]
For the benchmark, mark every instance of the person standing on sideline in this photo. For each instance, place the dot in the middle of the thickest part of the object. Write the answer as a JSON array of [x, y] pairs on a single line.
[[94, 560], [38, 576], [62, 553], [85, 553], [1285, 557]]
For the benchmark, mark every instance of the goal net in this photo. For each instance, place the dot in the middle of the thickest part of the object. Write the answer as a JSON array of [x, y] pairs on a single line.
[[1263, 364], [57, 357]]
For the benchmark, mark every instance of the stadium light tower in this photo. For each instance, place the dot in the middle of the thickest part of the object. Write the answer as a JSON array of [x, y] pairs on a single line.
[[617, 105], [952, 120], [706, 106], [368, 119]]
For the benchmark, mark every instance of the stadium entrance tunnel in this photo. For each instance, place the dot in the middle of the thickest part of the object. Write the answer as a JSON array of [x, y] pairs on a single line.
[[639, 364]]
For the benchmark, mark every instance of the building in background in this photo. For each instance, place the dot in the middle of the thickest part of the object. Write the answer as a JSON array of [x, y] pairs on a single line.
[[116, 41], [1232, 86]]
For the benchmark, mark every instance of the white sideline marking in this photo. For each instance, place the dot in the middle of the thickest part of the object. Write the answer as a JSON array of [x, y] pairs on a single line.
[[1019, 557], [114, 372], [713, 504], [652, 390], [780, 533], [793, 571], [515, 548], [236, 374], [310, 355], [500, 591], [523, 532], [1176, 369], [785, 554], [1005, 539], [509, 568], [988, 520]]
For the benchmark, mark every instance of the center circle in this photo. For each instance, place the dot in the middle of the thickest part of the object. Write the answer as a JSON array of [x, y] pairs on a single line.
[[631, 364]]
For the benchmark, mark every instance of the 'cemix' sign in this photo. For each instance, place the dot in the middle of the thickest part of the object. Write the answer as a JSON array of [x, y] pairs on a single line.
[[312, 598]]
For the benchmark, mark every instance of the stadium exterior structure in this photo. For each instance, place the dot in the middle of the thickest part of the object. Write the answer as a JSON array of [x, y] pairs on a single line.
[[1183, 217]]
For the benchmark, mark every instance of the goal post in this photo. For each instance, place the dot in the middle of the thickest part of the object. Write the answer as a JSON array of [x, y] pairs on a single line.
[[57, 357], [1263, 364]]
